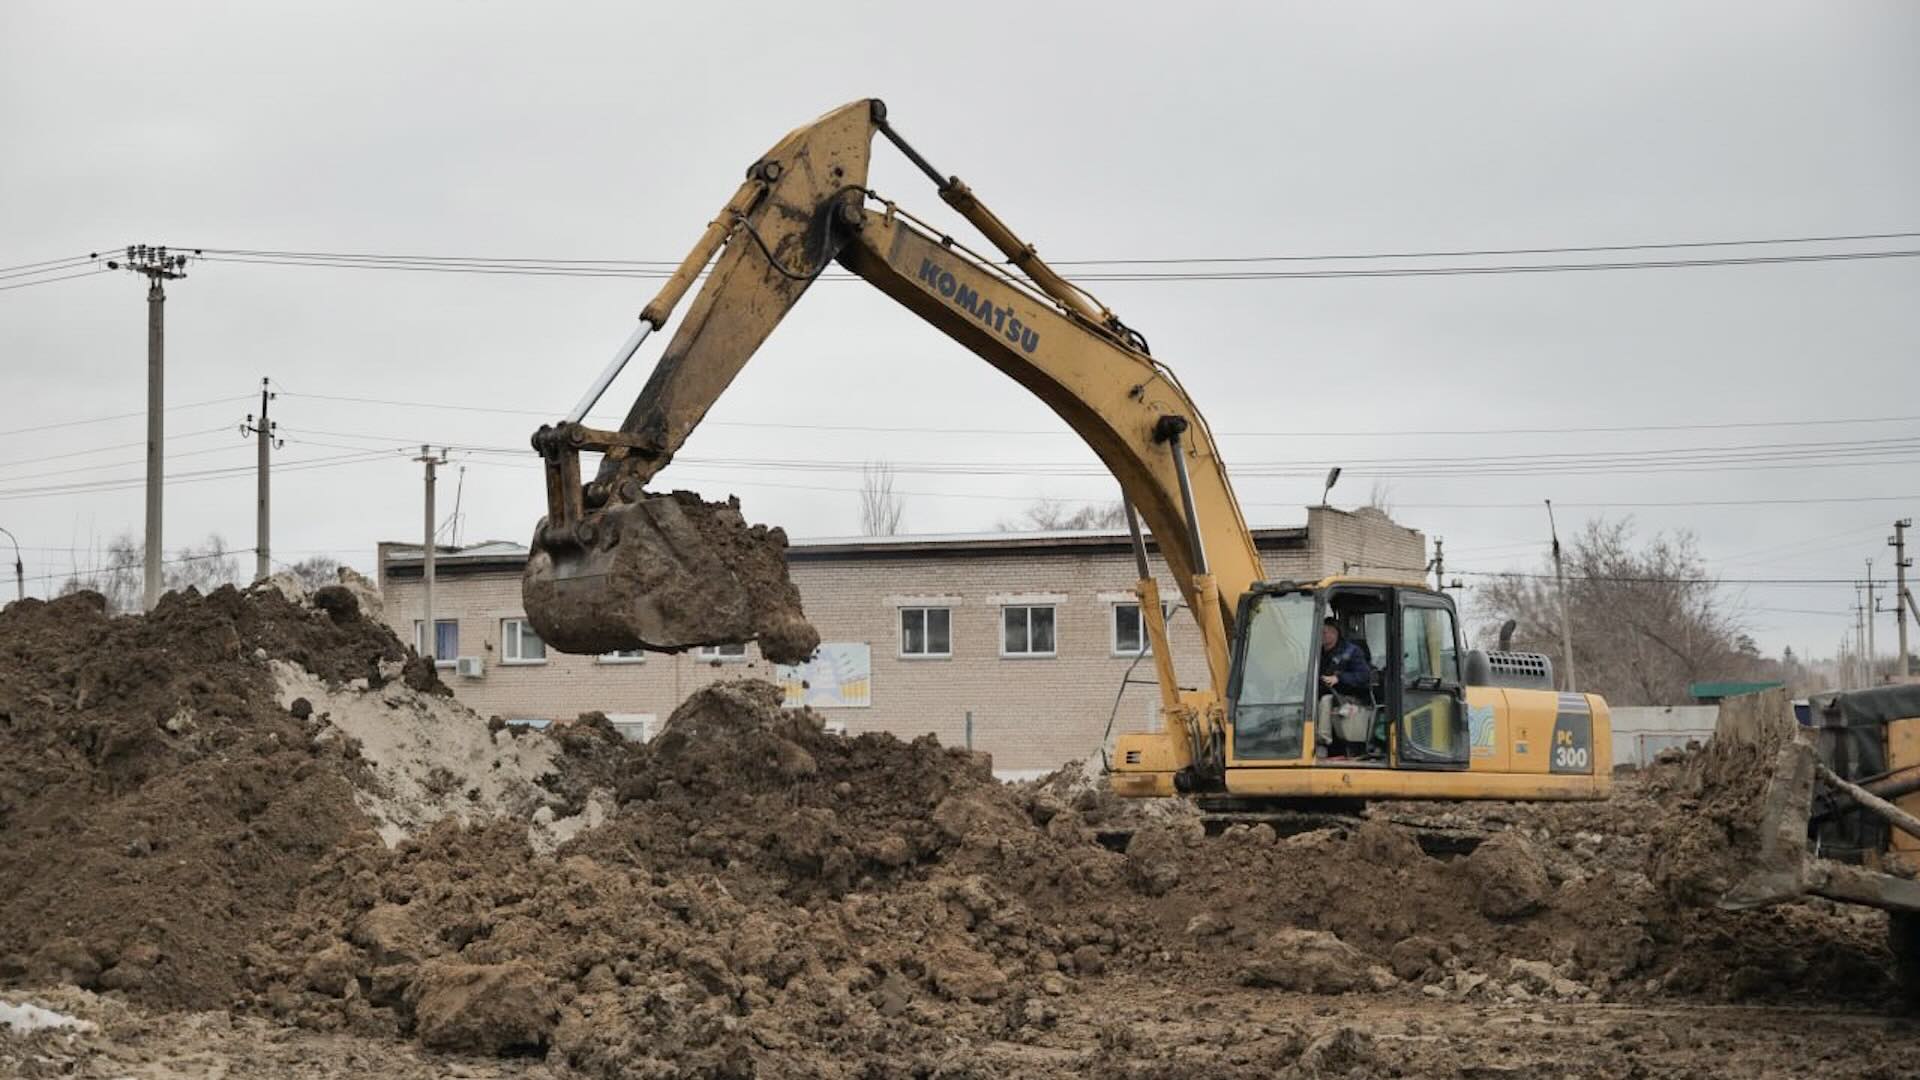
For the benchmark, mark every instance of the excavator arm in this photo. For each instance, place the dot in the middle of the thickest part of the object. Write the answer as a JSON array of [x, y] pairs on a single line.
[[804, 206]]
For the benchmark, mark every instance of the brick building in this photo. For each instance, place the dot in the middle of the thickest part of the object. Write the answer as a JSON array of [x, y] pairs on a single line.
[[1028, 634]]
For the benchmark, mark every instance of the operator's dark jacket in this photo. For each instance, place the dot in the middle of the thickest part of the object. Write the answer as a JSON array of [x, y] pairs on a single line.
[[1349, 665]]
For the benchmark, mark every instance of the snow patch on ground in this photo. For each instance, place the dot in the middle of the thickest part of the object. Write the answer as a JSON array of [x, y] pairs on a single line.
[[25, 1017], [432, 758]]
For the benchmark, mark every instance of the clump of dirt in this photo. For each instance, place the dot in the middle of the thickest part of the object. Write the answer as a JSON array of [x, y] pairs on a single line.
[[1713, 834], [1081, 787], [160, 807], [668, 572]]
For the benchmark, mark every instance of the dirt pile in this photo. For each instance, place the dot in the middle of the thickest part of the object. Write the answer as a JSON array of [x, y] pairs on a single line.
[[159, 806], [668, 572], [1713, 837], [168, 781], [764, 892]]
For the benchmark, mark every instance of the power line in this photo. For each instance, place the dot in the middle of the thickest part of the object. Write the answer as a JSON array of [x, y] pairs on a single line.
[[1748, 457], [51, 280], [123, 484], [610, 270], [9, 271], [50, 267], [113, 568], [124, 416], [1626, 580], [1471, 252], [1534, 506], [1066, 433], [104, 448], [1455, 253]]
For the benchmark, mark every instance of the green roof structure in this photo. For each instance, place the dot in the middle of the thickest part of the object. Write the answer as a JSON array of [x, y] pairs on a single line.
[[1709, 693]]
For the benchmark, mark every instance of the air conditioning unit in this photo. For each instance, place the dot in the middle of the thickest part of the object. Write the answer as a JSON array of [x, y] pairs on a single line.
[[472, 667]]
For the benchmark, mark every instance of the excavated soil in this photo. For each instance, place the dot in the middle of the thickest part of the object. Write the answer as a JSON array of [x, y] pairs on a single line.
[[671, 572], [159, 807], [749, 896]]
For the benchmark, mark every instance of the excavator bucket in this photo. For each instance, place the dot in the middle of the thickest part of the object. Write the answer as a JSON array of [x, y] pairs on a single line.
[[665, 573], [1754, 792]]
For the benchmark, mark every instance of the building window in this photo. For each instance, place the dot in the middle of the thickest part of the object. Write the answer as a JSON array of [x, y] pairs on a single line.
[[1027, 631], [446, 640], [1129, 633], [519, 644], [623, 656], [926, 631], [635, 727], [729, 651]]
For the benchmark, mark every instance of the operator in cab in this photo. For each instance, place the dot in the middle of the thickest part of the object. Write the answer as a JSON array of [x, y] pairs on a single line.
[[1343, 666]]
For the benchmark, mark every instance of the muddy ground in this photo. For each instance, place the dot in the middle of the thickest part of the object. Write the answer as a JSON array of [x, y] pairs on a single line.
[[272, 847]]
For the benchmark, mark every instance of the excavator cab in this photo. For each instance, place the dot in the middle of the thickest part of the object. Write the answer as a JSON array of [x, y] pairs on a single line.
[[1408, 712], [1429, 718]]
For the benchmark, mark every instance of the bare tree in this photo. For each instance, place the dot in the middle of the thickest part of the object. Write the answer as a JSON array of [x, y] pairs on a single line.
[[118, 573], [205, 566], [1380, 497], [1050, 513], [882, 512], [1647, 620], [316, 570]]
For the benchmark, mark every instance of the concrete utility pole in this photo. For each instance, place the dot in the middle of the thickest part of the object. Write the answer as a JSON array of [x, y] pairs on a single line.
[[1898, 541], [1560, 578], [156, 266], [262, 430], [1439, 562], [1871, 651], [428, 638], [1859, 636], [19, 568]]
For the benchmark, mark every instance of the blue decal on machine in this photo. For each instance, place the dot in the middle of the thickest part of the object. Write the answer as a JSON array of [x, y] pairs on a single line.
[[1482, 729]]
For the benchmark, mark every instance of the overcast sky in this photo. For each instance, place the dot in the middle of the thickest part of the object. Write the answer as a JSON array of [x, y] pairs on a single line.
[[613, 131]]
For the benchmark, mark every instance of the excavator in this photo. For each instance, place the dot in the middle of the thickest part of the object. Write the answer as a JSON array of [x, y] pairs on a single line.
[[614, 566]]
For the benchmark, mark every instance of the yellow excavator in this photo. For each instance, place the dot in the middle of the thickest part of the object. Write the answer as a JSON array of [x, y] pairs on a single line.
[[616, 567]]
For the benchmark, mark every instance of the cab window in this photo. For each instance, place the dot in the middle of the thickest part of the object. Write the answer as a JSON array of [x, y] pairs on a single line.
[[1432, 720], [1269, 709], [1427, 645]]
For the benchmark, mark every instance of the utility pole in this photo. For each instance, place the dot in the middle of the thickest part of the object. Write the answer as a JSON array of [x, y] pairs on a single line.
[[1439, 563], [1870, 612], [262, 430], [1560, 578], [428, 637], [19, 568], [1901, 596], [156, 266], [1859, 634]]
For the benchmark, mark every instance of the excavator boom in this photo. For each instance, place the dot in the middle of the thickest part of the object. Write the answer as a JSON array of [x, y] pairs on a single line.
[[608, 548]]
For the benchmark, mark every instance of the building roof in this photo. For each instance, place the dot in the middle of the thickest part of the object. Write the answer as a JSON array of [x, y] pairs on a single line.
[[1714, 691], [913, 545]]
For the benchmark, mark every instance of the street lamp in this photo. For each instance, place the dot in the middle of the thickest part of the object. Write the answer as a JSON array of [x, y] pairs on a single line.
[[1333, 477], [19, 569]]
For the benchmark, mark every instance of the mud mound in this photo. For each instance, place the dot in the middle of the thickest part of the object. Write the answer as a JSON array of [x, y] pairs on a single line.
[[1711, 836], [765, 891], [169, 781], [769, 897], [160, 807]]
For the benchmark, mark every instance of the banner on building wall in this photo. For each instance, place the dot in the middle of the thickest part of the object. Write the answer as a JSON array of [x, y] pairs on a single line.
[[839, 676]]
